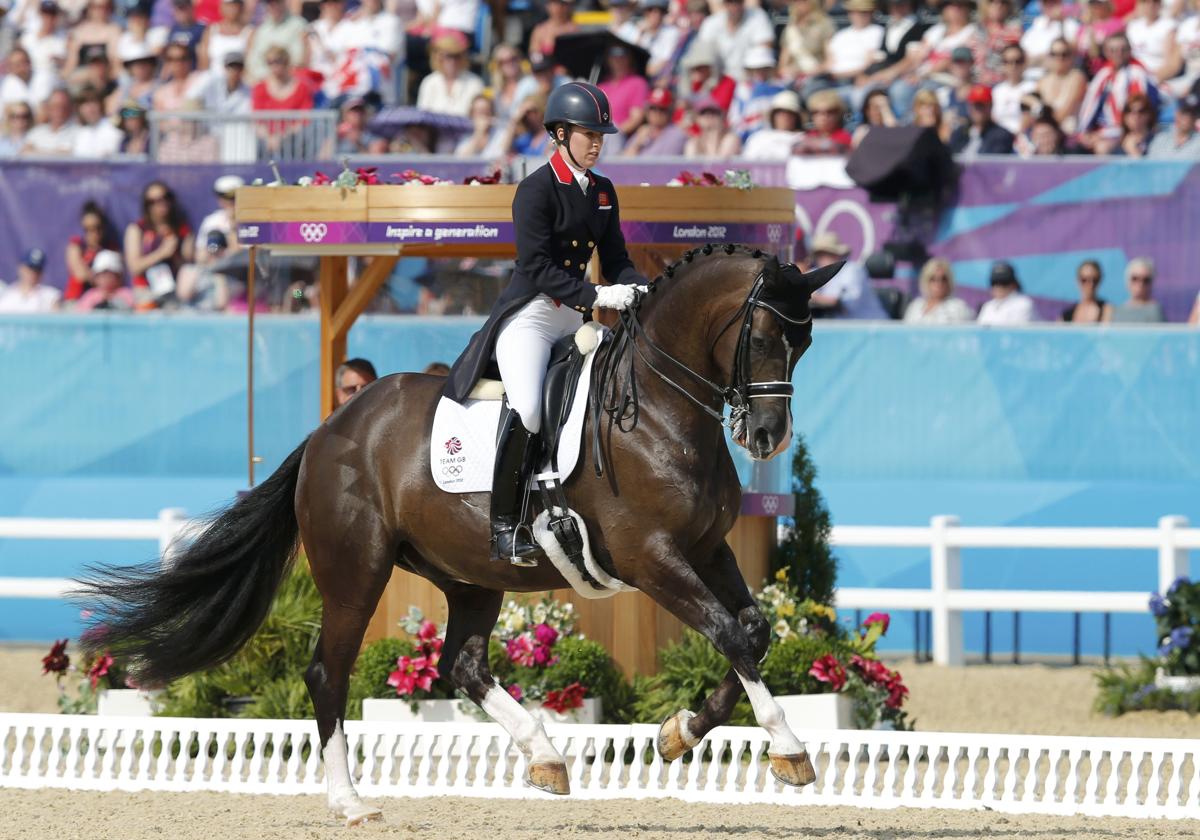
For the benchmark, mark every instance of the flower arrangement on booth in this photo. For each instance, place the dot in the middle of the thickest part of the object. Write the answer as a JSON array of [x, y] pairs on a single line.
[[94, 673], [1171, 679]]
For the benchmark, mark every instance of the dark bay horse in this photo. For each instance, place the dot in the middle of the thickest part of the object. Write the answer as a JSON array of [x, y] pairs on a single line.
[[724, 325]]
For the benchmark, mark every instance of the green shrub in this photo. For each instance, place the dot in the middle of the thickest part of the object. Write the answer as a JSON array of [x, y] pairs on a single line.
[[589, 664], [805, 552], [785, 670], [689, 671], [1131, 689], [371, 671]]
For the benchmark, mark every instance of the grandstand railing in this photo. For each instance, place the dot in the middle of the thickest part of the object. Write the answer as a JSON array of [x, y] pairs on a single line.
[[946, 600], [1025, 774], [214, 137]]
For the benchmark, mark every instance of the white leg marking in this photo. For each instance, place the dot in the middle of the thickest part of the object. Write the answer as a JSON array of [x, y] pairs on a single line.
[[770, 717], [343, 799], [525, 729]]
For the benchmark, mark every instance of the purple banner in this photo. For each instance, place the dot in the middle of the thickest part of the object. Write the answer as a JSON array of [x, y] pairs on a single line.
[[768, 504]]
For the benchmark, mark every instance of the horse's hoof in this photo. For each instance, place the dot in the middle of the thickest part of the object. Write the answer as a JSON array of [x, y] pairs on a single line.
[[358, 812], [550, 776], [794, 770], [674, 739]]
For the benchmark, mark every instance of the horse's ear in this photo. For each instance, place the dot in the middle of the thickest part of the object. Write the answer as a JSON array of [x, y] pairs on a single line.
[[818, 277], [790, 282]]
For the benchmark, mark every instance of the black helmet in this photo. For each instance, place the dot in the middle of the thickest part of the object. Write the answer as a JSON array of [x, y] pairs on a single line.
[[581, 104]]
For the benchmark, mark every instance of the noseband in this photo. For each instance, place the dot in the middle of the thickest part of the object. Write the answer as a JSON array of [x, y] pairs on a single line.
[[622, 405]]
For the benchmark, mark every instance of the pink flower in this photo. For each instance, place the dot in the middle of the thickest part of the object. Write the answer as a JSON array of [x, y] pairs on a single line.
[[427, 631], [828, 670], [366, 175], [515, 692], [545, 635], [879, 618], [320, 179], [872, 669], [414, 673], [542, 657], [520, 651], [99, 669], [896, 692], [565, 700]]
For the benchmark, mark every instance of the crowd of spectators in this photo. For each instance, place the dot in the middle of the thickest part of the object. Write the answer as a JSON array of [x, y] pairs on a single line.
[[762, 78]]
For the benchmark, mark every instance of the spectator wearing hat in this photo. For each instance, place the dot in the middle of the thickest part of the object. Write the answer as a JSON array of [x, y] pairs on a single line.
[[451, 87], [1141, 308], [876, 113], [752, 96], [95, 136], [658, 136], [28, 294], [277, 28], [803, 42], [1121, 78], [713, 138], [56, 136], [981, 136], [1007, 305], [775, 141], [1062, 84], [97, 235], [559, 21], [185, 30], [204, 285], [850, 52], [18, 118], [353, 135], [228, 36], [138, 83], [828, 135], [135, 130], [226, 93], [701, 76], [901, 30], [657, 37], [849, 293], [937, 303], [95, 72], [96, 29], [620, 18], [732, 31], [952, 97], [627, 91], [1008, 93], [1182, 142], [46, 43], [108, 290], [927, 65], [1053, 24], [139, 36], [220, 220]]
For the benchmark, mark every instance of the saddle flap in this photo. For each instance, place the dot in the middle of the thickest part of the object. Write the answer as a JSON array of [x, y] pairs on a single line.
[[558, 392]]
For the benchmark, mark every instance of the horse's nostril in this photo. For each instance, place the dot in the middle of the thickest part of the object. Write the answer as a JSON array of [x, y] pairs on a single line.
[[762, 440]]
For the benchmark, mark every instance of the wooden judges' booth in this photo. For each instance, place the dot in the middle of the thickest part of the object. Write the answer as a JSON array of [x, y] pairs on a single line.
[[382, 223]]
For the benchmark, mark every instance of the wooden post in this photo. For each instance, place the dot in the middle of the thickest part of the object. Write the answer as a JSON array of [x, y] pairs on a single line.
[[333, 347], [250, 301]]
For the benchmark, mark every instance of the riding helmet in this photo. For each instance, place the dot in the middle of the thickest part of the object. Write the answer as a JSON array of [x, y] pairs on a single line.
[[581, 104]]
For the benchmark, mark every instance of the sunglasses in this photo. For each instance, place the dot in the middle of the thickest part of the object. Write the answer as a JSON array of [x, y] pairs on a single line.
[[1014, 61], [1059, 54], [1140, 278], [21, 115], [1088, 278], [276, 61], [939, 278]]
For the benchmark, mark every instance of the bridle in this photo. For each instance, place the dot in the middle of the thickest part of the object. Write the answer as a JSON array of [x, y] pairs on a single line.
[[621, 404]]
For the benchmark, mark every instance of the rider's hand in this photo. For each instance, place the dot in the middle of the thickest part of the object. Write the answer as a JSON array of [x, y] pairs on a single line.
[[615, 297]]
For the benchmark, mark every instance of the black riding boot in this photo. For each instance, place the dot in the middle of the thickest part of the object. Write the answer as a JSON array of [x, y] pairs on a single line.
[[511, 538]]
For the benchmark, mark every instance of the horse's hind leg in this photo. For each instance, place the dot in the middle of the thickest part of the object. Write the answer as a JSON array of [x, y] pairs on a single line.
[[350, 590], [473, 612], [683, 730], [672, 582]]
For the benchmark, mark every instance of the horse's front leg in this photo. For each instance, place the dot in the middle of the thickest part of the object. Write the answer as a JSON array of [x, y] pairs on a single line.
[[683, 730], [473, 613], [673, 583]]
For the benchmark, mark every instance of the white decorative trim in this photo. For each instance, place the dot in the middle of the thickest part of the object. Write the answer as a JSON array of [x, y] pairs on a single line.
[[1020, 774], [546, 539], [487, 389]]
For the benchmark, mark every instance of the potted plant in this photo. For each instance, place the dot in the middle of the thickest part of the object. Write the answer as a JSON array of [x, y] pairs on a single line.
[[97, 684]]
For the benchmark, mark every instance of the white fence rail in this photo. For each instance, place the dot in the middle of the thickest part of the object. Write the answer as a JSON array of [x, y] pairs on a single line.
[[946, 600], [1012, 773]]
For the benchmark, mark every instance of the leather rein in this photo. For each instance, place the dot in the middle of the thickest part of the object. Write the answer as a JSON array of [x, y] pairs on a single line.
[[622, 405]]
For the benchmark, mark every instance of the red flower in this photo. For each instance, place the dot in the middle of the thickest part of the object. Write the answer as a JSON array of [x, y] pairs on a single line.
[[494, 178], [520, 651], [828, 670], [871, 669], [515, 692], [366, 175], [99, 669], [320, 179], [879, 618], [707, 179], [56, 661], [566, 699], [427, 631], [896, 692]]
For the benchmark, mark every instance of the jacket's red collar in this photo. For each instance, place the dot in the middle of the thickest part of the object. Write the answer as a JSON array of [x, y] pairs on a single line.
[[563, 171]]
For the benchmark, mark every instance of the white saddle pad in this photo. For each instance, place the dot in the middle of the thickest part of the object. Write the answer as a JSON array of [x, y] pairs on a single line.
[[462, 448]]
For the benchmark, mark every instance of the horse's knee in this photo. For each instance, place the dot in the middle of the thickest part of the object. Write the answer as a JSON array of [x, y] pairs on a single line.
[[469, 669], [757, 629]]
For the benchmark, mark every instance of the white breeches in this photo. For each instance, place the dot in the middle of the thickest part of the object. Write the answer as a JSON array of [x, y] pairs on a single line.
[[523, 351]]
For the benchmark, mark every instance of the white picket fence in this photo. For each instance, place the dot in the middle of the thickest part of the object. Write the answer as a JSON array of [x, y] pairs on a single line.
[[1131, 777]]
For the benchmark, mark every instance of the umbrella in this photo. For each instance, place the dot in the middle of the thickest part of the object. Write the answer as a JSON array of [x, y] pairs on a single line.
[[582, 53], [392, 121]]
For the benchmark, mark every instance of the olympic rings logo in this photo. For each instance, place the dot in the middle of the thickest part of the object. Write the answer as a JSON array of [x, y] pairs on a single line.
[[312, 232], [842, 206], [774, 233], [770, 503], [454, 469]]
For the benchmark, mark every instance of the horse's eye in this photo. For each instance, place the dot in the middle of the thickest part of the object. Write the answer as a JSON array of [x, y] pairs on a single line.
[[759, 345]]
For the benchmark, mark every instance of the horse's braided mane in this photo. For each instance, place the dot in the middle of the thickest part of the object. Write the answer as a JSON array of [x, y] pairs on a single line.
[[728, 249]]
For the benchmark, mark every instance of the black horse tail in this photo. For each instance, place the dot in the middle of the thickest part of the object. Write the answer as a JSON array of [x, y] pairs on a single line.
[[201, 607]]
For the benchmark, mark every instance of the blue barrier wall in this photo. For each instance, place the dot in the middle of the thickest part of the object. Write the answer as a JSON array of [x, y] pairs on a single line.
[[120, 416]]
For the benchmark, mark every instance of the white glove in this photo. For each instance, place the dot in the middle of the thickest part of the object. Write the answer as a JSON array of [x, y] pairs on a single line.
[[615, 297]]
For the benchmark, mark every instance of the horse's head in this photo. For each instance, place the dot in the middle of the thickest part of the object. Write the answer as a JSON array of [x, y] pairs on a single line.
[[770, 332]]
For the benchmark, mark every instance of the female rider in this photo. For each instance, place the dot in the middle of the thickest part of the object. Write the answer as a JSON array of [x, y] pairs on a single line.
[[561, 213]]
